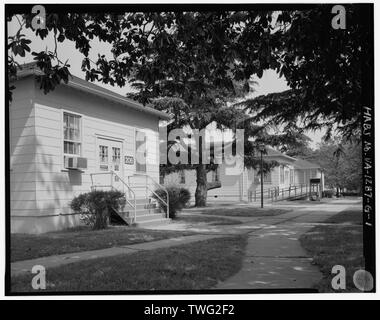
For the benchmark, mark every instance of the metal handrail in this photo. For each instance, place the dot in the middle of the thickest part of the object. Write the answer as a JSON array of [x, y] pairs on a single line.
[[274, 188], [130, 190], [166, 203], [112, 173], [273, 192], [291, 188]]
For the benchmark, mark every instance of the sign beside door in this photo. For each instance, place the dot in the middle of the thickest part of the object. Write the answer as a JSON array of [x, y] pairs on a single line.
[[129, 160]]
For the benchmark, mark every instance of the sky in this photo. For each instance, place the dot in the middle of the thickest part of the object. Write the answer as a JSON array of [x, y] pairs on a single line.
[[270, 82]]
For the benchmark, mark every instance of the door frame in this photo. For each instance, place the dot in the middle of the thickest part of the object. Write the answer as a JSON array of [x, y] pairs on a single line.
[[115, 139]]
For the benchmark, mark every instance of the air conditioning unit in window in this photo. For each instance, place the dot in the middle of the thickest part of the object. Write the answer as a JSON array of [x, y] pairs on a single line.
[[75, 163]]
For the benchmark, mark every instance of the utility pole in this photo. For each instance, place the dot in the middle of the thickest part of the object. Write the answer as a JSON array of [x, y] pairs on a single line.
[[262, 148]]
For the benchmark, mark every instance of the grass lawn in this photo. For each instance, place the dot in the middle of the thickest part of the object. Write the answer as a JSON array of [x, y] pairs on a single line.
[[199, 265], [339, 243], [244, 212], [214, 221], [27, 246]]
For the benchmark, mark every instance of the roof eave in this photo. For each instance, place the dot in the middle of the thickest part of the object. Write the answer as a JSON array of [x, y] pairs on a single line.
[[304, 168], [109, 96], [280, 156]]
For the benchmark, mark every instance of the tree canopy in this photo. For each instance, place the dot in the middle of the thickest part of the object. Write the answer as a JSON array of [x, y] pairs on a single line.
[[324, 69], [341, 162], [193, 64], [197, 56]]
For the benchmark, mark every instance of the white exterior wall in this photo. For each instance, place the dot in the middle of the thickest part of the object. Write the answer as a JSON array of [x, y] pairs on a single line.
[[304, 175], [234, 187], [238, 187], [22, 151], [37, 149]]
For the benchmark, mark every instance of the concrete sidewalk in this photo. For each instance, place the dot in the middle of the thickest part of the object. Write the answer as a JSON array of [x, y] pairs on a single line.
[[22, 267], [274, 257]]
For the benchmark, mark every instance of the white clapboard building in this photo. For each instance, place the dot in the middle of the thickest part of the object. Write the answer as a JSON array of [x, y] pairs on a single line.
[[65, 142], [290, 176]]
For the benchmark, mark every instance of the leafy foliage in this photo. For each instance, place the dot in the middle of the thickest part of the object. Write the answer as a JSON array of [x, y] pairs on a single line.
[[191, 64], [53, 70], [328, 193], [94, 207], [200, 60], [178, 198], [341, 162], [200, 57], [324, 69]]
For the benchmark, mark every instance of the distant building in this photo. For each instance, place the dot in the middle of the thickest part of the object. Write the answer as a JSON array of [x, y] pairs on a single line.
[[290, 172]]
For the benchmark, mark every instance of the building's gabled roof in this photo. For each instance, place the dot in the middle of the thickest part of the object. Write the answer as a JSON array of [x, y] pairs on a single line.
[[273, 153], [296, 162], [304, 164], [89, 87]]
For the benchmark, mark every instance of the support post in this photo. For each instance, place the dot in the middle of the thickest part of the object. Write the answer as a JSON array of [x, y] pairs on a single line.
[[262, 180]]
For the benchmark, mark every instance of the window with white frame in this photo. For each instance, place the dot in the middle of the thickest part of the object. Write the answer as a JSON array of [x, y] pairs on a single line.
[[72, 135], [116, 158], [291, 176], [300, 176], [103, 157], [267, 177], [282, 174]]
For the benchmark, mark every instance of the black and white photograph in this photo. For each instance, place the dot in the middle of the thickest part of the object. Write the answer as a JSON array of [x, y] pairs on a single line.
[[173, 149]]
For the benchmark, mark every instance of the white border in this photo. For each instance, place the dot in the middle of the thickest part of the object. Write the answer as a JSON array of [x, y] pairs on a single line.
[[319, 296]]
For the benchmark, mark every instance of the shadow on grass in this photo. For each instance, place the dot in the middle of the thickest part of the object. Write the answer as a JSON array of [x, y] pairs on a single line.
[[340, 244], [195, 266], [28, 246], [347, 217]]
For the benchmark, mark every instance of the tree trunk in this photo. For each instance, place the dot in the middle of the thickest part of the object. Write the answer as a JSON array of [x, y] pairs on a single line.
[[201, 191], [101, 219]]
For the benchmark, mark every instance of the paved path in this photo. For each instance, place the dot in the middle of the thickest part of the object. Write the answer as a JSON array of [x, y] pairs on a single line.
[[22, 267], [274, 257]]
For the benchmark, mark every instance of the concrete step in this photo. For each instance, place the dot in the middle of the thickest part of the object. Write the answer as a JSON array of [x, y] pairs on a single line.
[[140, 200], [140, 212], [149, 223], [144, 219], [149, 217], [146, 205], [141, 203]]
